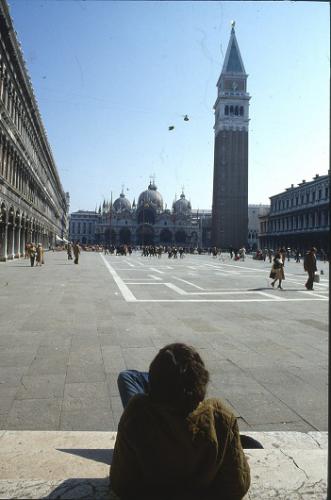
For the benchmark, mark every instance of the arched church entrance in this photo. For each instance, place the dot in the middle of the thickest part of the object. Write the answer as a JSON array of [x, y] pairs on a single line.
[[180, 237], [145, 235], [166, 236], [125, 236]]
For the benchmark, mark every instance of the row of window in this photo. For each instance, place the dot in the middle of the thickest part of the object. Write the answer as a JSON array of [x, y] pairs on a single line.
[[82, 228], [234, 110], [20, 119], [17, 175], [304, 221], [309, 197]]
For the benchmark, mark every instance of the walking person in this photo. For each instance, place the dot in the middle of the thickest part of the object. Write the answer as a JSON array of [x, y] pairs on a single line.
[[270, 255], [310, 267], [297, 256], [39, 255], [32, 253], [76, 249], [69, 251], [277, 271]]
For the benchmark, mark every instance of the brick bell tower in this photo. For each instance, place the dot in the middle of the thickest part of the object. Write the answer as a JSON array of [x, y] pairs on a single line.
[[230, 186]]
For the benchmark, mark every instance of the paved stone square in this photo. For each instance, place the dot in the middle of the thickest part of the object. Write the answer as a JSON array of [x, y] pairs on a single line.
[[66, 331]]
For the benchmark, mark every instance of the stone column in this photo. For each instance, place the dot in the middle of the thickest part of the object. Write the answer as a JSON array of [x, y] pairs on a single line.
[[3, 241], [11, 238], [17, 241], [22, 241]]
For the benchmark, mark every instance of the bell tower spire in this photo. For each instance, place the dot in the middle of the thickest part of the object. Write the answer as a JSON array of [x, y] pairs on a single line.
[[230, 186]]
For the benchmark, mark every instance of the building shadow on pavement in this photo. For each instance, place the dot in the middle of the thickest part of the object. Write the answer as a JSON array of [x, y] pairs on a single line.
[[104, 456], [89, 488]]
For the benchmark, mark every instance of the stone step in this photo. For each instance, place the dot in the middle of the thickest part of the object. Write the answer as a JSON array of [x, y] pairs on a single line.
[[67, 464]]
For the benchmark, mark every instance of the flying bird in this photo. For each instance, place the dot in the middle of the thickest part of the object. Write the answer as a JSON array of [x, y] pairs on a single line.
[[171, 127]]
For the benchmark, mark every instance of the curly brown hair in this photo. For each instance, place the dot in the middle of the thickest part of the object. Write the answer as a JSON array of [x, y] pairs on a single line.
[[178, 378]]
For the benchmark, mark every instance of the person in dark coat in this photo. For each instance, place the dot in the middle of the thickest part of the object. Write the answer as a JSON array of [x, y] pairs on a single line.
[[310, 267], [76, 249], [172, 444], [32, 253]]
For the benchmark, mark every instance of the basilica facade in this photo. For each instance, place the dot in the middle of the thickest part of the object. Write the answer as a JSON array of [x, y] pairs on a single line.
[[147, 222]]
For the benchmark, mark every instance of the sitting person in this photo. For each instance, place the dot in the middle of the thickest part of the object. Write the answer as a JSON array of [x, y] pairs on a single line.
[[172, 443]]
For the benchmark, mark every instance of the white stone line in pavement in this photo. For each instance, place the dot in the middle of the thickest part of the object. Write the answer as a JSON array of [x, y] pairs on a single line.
[[127, 269], [131, 265], [229, 300], [188, 283], [275, 297], [125, 291], [175, 288], [156, 270], [154, 277], [145, 283], [224, 292], [313, 293]]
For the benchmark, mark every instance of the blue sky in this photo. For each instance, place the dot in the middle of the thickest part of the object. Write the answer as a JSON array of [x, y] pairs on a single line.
[[110, 77]]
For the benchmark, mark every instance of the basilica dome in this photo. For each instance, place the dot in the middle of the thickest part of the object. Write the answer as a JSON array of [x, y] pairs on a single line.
[[151, 198], [182, 206], [121, 204]]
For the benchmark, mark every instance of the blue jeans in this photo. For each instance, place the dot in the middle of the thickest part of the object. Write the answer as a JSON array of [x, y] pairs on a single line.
[[131, 382]]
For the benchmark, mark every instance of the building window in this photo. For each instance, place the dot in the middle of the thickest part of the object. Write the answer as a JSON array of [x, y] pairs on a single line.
[[307, 198], [231, 110], [302, 200], [326, 192], [226, 110], [78, 230], [241, 110], [236, 111], [319, 194], [313, 196]]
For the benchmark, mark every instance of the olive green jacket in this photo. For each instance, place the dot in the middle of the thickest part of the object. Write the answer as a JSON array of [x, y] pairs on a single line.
[[161, 455]]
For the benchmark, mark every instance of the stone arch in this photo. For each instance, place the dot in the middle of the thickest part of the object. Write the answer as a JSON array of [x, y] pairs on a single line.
[[125, 236], [145, 235], [166, 236], [180, 236]]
